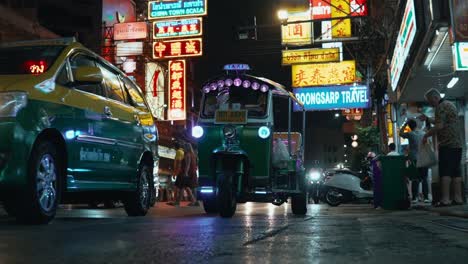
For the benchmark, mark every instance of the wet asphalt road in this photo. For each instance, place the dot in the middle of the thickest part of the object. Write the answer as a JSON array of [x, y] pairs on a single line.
[[258, 233]]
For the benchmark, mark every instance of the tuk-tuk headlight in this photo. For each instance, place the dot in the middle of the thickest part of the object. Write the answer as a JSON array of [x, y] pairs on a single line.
[[229, 131], [197, 131], [263, 132]]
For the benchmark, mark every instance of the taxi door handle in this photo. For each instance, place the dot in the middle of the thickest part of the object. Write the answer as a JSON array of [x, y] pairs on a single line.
[[107, 111]]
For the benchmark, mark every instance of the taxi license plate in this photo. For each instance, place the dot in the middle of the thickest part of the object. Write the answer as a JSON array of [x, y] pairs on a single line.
[[230, 117]]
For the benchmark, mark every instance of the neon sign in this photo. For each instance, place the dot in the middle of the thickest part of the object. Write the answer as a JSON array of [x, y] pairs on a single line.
[[304, 75], [177, 48], [36, 67], [176, 107], [176, 8], [189, 27]]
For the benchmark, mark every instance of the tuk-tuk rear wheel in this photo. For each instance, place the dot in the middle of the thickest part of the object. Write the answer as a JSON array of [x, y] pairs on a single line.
[[299, 204]]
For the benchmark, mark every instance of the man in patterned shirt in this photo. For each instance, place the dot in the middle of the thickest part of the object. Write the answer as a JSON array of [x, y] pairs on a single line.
[[447, 129]]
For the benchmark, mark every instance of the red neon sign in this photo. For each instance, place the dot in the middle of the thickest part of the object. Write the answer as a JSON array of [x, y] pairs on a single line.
[[189, 27], [177, 48], [322, 9], [176, 107], [35, 67]]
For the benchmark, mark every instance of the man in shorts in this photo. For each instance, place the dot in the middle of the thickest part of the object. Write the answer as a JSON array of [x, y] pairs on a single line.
[[447, 129]]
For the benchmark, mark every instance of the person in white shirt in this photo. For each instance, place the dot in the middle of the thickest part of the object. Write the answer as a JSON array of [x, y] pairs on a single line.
[[392, 150]]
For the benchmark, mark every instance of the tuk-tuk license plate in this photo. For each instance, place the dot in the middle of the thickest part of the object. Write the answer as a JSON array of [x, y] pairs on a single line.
[[230, 117]]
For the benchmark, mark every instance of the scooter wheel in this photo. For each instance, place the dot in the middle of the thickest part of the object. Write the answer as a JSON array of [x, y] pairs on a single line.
[[333, 197]]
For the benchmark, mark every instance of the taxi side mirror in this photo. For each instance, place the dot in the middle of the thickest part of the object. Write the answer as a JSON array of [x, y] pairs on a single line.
[[88, 75]]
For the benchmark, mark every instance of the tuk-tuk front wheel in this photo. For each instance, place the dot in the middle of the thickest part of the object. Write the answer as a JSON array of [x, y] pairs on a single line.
[[299, 204], [227, 203]]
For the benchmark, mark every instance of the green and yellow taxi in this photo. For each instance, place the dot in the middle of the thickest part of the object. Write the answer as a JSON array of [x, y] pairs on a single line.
[[73, 129], [246, 149]]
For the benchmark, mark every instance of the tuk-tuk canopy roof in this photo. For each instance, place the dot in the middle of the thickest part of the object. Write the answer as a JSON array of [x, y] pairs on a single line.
[[248, 81]]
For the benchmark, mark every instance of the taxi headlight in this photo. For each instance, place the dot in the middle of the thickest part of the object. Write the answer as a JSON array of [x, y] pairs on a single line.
[[11, 103], [197, 131], [229, 131]]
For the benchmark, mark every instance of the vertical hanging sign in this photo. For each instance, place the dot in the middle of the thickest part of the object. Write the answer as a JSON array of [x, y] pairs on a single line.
[[341, 28], [176, 107]]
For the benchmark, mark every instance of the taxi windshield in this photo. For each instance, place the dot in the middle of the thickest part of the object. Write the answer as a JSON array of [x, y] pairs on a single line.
[[235, 98], [28, 59]]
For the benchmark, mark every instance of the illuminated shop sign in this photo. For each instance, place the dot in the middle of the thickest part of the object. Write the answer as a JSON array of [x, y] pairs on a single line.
[[176, 8], [310, 56], [297, 33], [176, 107], [341, 28], [189, 27], [177, 48], [125, 31], [155, 89], [129, 49], [460, 56], [333, 97], [321, 9], [323, 73], [404, 40]]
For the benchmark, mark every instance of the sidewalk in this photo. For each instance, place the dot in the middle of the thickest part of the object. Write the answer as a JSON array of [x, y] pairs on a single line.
[[457, 210]]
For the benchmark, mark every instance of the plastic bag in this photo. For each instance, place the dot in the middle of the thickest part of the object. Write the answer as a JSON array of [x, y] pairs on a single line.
[[280, 154], [426, 156]]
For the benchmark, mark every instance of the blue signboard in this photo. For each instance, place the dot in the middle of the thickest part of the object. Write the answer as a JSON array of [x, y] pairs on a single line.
[[333, 97], [176, 8]]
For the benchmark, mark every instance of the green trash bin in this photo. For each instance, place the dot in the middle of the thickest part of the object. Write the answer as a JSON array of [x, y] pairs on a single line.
[[394, 191]]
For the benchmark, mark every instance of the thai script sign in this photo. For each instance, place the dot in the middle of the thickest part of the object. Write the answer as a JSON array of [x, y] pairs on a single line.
[[125, 31], [176, 8], [321, 9], [297, 33], [310, 56], [177, 48], [333, 97], [404, 40], [176, 107], [323, 73], [188, 27]]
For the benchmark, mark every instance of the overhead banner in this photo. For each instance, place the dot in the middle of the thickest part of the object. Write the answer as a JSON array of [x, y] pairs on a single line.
[[129, 49], [304, 75], [154, 89], [176, 8], [460, 56], [321, 9], [189, 27], [310, 56], [404, 40], [297, 33], [459, 19], [341, 28], [176, 110], [333, 97], [126, 31], [177, 48]]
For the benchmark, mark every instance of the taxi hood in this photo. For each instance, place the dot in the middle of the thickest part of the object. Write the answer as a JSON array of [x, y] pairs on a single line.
[[21, 82]]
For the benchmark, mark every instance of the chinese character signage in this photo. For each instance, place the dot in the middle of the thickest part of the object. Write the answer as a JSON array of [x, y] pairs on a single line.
[[323, 73], [154, 89], [322, 9], [341, 28], [460, 55], [404, 40], [333, 97], [125, 31], [161, 9], [176, 106], [310, 56], [460, 19], [189, 27], [177, 48], [297, 33]]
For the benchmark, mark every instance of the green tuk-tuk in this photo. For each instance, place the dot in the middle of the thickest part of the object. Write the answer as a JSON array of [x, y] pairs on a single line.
[[243, 154]]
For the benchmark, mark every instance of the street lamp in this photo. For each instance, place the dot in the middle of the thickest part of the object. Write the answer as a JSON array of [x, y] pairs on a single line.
[[283, 15]]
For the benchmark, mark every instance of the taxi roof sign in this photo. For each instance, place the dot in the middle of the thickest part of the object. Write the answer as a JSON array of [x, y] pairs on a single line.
[[236, 67]]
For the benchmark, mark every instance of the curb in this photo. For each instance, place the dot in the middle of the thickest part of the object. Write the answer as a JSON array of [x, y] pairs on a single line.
[[442, 212]]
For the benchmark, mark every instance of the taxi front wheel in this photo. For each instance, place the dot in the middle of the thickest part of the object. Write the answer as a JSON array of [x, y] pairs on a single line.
[[137, 203]]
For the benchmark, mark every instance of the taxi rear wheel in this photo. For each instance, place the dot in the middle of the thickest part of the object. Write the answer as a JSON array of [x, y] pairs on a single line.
[[137, 203]]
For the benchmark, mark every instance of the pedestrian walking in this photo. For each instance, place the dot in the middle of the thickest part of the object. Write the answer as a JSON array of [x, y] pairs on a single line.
[[192, 181], [447, 129], [415, 138], [179, 170]]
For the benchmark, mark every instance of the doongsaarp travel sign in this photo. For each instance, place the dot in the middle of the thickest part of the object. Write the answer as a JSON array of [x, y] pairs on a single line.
[[176, 107], [162, 9], [185, 27], [304, 75], [333, 97], [310, 56], [177, 48], [460, 19]]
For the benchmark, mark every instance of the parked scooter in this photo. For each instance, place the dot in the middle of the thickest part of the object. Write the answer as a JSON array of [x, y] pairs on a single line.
[[314, 184], [345, 186]]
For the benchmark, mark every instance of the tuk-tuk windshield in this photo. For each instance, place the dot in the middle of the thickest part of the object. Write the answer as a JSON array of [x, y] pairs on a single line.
[[235, 98]]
